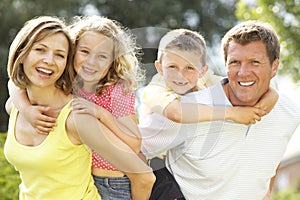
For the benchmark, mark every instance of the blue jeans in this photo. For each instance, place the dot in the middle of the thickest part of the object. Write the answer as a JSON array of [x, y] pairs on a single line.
[[113, 188]]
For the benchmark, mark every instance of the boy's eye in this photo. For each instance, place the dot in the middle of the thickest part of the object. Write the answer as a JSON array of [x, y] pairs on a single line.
[[171, 66], [190, 68]]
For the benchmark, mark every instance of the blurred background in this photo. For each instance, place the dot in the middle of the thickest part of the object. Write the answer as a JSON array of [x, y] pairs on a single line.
[[149, 20]]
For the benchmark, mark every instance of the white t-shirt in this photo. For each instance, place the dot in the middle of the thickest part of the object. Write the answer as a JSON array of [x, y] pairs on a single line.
[[222, 160]]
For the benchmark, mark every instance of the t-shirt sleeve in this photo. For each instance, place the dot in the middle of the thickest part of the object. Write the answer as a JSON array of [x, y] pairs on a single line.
[[156, 98]]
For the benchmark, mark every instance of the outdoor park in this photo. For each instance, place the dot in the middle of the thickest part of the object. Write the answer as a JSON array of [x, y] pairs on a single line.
[[148, 21]]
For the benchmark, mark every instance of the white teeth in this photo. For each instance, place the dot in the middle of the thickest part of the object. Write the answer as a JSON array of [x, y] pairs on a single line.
[[46, 71], [89, 70], [246, 83], [179, 83]]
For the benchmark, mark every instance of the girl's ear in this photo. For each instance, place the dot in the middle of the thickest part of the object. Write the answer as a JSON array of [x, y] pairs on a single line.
[[158, 67]]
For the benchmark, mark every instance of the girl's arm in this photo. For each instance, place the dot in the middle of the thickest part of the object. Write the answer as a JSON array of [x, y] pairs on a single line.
[[36, 115], [99, 138], [193, 113], [123, 127]]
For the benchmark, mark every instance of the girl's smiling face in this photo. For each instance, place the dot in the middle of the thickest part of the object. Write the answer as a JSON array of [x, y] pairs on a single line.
[[93, 56]]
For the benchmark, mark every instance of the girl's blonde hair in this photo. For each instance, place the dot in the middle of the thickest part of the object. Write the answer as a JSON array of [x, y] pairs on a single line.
[[125, 66], [33, 31]]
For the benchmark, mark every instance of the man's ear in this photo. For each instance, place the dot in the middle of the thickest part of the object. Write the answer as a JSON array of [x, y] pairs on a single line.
[[158, 67], [275, 66]]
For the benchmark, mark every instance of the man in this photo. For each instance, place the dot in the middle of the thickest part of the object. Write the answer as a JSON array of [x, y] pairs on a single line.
[[222, 160]]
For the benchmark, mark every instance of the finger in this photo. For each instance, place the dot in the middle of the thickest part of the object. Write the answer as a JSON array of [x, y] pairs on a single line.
[[45, 124], [46, 118], [43, 130]]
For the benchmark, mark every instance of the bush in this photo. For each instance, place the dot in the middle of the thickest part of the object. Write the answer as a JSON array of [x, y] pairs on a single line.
[[9, 177]]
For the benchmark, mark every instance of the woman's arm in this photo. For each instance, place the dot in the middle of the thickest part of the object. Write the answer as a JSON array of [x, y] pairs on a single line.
[[99, 138], [123, 127]]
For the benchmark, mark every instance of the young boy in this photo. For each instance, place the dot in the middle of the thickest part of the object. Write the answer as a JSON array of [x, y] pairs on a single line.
[[182, 68]]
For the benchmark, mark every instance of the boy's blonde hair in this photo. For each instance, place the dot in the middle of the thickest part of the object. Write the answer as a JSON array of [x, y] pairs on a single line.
[[183, 40], [125, 66]]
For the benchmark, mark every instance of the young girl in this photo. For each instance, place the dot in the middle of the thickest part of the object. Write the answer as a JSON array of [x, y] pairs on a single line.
[[106, 64]]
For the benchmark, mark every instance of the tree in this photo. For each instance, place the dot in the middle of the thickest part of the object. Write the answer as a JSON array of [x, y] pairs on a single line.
[[284, 16]]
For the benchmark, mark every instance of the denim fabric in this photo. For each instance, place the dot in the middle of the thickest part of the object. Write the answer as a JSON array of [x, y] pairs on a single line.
[[113, 188]]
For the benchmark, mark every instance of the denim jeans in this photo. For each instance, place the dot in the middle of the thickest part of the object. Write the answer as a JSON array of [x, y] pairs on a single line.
[[113, 188]]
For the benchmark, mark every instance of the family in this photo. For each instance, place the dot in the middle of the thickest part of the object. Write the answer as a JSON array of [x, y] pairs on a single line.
[[75, 133]]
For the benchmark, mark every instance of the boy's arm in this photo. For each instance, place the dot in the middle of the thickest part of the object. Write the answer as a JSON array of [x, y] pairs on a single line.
[[193, 113], [123, 127], [268, 101], [42, 123]]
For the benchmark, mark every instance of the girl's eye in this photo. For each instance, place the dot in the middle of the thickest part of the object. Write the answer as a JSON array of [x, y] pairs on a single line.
[[84, 51], [102, 56]]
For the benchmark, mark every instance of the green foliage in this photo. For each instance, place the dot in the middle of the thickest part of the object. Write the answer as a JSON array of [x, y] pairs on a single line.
[[9, 178], [284, 16], [289, 194]]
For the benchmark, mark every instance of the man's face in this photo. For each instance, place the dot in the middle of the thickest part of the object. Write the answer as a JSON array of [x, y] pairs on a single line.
[[249, 72]]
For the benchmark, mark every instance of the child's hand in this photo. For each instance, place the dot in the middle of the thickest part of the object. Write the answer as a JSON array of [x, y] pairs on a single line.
[[244, 115], [268, 101], [37, 117], [84, 106]]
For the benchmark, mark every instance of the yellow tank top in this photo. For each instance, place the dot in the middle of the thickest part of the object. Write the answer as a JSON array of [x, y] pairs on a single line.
[[54, 170]]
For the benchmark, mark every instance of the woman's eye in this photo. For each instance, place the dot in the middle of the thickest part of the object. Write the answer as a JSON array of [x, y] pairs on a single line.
[[61, 55], [39, 49]]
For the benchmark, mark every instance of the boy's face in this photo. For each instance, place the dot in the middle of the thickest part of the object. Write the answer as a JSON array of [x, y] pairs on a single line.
[[180, 70]]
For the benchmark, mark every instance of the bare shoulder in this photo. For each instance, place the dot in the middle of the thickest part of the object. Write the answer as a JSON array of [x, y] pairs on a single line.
[[71, 128]]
